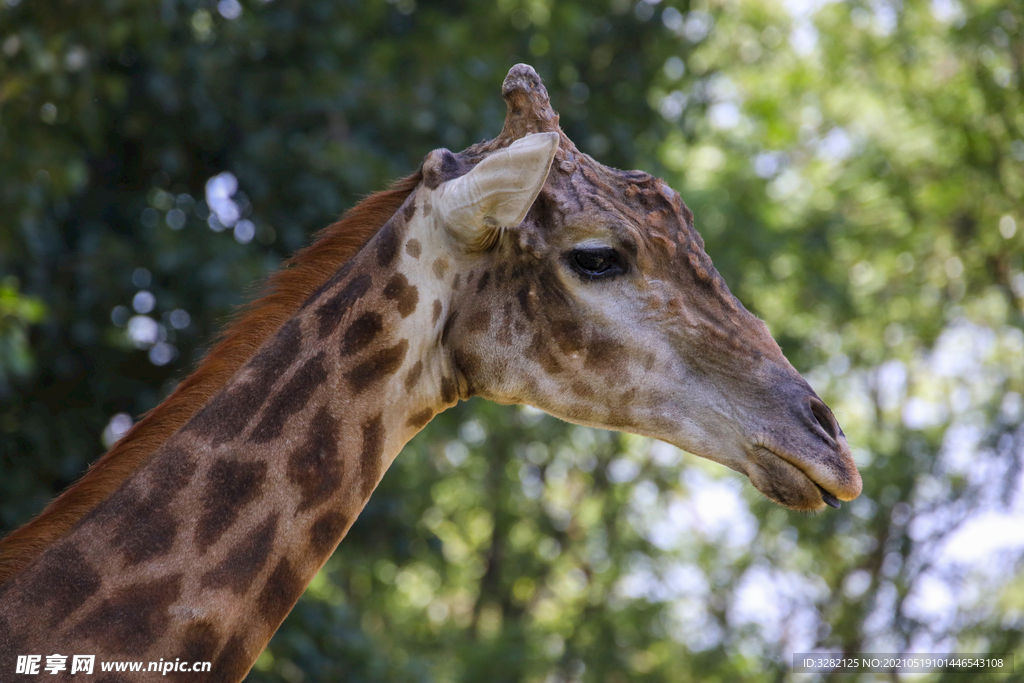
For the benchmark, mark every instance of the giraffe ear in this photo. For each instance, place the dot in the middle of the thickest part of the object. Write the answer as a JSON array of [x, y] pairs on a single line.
[[498, 192]]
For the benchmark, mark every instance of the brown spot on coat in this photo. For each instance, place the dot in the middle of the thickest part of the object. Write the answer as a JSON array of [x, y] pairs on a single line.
[[581, 388], [230, 411], [275, 356], [331, 282], [649, 362], [199, 644], [481, 284], [146, 535], [315, 466], [413, 248], [568, 335], [233, 662], [438, 309], [545, 355], [413, 375], [389, 240], [13, 642], [552, 291], [63, 581], [370, 464], [144, 528], [245, 559], [381, 365], [440, 267], [291, 399], [172, 470], [420, 419], [604, 354], [361, 332], [399, 290], [333, 311], [326, 531], [231, 484], [130, 621], [279, 594], [478, 321], [449, 392]]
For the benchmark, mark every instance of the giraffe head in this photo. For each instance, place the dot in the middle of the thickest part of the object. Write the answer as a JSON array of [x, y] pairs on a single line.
[[586, 292]]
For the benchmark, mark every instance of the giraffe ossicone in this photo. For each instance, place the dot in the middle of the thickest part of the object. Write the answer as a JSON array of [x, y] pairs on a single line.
[[520, 270]]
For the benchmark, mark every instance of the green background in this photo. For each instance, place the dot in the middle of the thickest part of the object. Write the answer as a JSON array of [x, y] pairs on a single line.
[[857, 172]]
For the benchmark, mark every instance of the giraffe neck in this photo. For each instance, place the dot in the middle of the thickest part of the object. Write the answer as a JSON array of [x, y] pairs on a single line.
[[204, 550]]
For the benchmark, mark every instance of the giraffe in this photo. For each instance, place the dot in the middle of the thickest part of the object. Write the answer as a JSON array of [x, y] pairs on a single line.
[[520, 270]]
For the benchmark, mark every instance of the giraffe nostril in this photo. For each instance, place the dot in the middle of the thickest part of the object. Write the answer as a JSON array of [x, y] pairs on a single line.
[[825, 418]]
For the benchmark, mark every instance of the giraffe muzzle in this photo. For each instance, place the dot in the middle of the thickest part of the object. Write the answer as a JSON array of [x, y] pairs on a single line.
[[806, 473]]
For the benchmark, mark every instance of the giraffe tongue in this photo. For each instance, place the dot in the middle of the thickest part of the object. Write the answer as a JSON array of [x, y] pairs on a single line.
[[828, 498]]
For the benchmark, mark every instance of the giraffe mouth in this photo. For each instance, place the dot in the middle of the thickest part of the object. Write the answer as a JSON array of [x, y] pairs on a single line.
[[786, 480]]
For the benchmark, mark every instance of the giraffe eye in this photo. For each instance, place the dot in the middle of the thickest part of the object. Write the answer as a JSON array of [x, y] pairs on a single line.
[[597, 262]]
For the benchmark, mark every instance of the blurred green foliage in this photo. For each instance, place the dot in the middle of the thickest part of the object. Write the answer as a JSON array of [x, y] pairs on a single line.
[[17, 313], [856, 169]]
